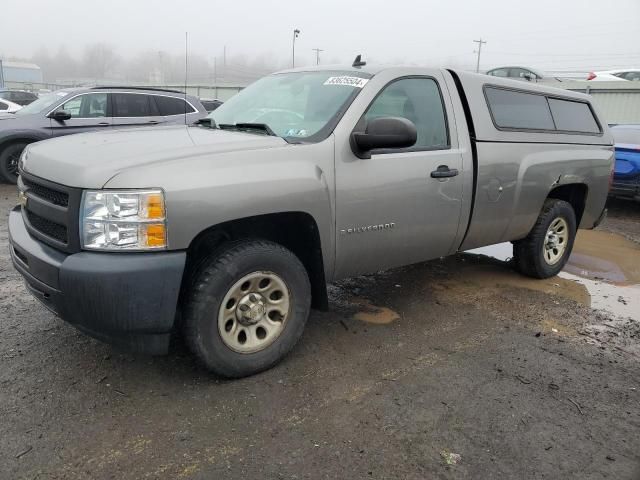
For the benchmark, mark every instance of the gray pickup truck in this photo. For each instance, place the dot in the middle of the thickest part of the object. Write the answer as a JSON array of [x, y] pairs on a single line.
[[228, 231]]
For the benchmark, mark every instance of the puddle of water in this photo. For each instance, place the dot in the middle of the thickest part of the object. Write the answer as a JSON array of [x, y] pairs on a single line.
[[606, 264]]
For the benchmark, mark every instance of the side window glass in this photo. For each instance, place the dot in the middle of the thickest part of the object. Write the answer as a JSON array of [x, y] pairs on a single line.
[[499, 72], [417, 100], [132, 105], [573, 116], [72, 106], [172, 106], [93, 105], [519, 110], [4, 106]]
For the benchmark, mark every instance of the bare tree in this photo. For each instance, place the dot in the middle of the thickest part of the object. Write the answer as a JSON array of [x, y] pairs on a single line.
[[99, 60]]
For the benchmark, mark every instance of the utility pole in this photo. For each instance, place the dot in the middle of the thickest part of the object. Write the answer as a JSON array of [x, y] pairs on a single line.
[[480, 43], [296, 32], [317, 50]]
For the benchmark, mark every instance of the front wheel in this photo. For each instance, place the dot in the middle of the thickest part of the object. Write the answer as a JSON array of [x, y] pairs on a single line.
[[246, 307], [9, 158], [545, 251]]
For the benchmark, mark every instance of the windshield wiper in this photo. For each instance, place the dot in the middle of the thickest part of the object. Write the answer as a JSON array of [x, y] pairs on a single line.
[[207, 122], [248, 127]]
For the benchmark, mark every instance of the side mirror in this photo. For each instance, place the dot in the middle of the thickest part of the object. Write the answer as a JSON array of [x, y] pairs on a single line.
[[384, 132], [60, 115]]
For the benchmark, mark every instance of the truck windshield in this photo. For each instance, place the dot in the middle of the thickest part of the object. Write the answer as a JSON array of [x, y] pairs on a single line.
[[297, 106]]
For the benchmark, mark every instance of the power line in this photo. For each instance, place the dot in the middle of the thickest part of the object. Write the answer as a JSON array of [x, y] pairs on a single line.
[[317, 50], [480, 43]]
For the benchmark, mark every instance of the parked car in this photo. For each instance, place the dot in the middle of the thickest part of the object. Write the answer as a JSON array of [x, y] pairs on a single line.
[[521, 73], [8, 107], [85, 109], [615, 75], [20, 97], [210, 104], [626, 178], [235, 225]]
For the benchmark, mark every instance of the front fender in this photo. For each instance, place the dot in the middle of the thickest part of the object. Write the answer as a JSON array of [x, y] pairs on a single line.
[[209, 190]]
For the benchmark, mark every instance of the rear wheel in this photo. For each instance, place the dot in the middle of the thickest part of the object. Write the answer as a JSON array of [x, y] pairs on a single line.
[[545, 251], [9, 157], [246, 308]]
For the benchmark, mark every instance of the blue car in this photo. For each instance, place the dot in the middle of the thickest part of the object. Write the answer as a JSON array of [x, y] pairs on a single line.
[[626, 177]]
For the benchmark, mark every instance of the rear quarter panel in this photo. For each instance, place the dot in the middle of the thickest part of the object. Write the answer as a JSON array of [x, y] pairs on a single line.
[[518, 169], [527, 172]]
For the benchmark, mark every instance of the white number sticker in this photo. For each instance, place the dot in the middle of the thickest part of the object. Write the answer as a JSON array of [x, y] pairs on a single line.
[[356, 82]]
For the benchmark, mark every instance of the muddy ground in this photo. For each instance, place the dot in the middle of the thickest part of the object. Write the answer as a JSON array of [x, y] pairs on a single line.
[[451, 369]]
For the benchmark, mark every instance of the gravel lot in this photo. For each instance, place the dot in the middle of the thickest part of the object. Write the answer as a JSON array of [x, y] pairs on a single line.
[[455, 368]]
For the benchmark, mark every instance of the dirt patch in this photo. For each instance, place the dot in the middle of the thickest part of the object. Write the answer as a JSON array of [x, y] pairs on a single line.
[[479, 278], [372, 313]]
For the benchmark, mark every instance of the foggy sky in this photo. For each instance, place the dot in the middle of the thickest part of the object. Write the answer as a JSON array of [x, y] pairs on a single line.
[[547, 34]]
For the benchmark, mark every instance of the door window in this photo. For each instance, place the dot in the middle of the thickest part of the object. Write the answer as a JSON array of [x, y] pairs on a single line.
[[631, 76], [4, 106], [91, 105], [417, 100], [172, 106], [133, 105], [499, 72]]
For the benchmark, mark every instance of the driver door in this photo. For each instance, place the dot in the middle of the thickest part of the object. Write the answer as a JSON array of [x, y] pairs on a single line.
[[390, 211]]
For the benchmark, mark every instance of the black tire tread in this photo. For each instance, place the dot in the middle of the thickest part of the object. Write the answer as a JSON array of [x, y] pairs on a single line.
[[526, 253], [4, 173], [207, 269]]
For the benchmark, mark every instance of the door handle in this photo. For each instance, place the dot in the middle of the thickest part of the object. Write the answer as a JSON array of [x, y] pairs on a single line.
[[443, 171], [103, 124], [153, 122]]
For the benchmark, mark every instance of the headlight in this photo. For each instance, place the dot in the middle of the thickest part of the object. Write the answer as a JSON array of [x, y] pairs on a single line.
[[123, 220], [22, 162]]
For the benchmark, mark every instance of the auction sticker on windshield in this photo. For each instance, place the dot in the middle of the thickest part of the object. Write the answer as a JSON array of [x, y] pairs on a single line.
[[347, 81]]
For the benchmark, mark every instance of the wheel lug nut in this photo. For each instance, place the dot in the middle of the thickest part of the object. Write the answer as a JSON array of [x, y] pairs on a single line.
[[244, 307]]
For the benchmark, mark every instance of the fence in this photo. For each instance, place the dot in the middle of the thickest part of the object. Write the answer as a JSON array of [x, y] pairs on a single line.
[[222, 92]]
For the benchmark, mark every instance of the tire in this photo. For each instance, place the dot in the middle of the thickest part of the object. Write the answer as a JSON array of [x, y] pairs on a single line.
[[534, 255], [9, 157], [213, 332]]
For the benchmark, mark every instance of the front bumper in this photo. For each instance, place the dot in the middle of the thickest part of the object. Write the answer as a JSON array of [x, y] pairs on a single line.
[[127, 299], [625, 187]]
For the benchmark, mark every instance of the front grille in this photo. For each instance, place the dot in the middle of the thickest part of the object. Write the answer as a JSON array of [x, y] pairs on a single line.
[[53, 196], [47, 227], [51, 212]]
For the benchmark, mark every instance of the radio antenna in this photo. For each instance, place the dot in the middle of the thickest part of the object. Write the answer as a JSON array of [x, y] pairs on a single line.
[[186, 71]]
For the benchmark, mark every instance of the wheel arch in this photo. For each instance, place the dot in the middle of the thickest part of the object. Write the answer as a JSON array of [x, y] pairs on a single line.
[[295, 230], [573, 193], [18, 138]]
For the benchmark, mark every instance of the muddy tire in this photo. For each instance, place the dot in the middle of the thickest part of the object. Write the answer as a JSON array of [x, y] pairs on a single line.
[[545, 251], [246, 307], [9, 157]]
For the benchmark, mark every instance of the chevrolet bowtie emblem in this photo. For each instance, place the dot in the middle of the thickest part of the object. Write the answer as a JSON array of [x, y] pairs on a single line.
[[22, 199]]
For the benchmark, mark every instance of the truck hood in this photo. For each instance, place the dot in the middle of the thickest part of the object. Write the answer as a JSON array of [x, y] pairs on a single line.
[[89, 160]]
